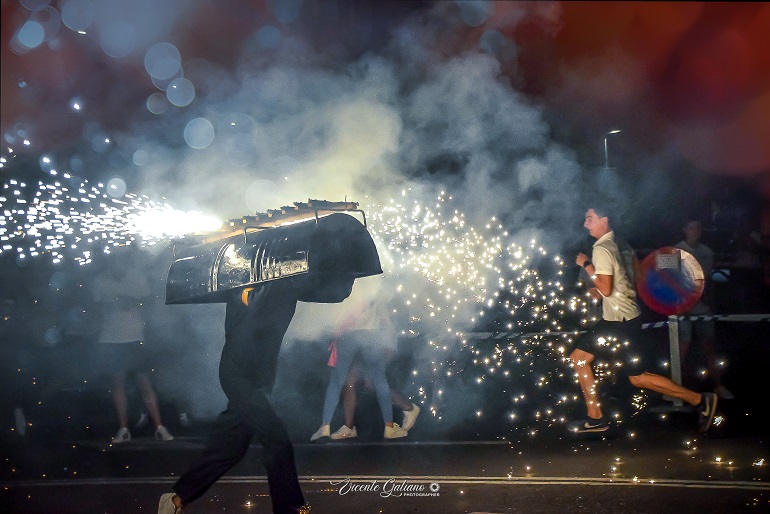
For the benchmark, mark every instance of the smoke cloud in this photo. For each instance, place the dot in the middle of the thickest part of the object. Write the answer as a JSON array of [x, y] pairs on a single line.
[[267, 132]]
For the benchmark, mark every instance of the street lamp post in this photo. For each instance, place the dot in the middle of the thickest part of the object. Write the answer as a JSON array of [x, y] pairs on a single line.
[[606, 153]]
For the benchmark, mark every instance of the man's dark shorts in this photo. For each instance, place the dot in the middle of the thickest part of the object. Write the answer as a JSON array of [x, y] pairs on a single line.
[[620, 344]]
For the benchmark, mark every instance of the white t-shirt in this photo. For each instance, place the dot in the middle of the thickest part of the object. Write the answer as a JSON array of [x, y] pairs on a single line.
[[621, 304], [120, 297]]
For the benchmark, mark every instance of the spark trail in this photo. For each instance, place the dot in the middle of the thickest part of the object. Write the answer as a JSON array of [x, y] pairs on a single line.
[[495, 313], [75, 218]]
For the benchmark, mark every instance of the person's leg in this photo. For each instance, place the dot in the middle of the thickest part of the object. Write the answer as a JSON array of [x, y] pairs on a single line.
[[149, 397], [664, 385], [398, 399], [119, 397], [278, 454], [337, 379], [582, 360], [350, 397], [375, 361], [227, 444]]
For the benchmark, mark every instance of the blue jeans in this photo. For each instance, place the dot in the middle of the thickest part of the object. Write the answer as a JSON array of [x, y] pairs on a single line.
[[367, 346]]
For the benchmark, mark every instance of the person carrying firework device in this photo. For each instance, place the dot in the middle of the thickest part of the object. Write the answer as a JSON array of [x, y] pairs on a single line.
[[261, 276]]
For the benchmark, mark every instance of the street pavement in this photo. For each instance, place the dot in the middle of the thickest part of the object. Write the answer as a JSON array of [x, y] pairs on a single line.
[[660, 465]]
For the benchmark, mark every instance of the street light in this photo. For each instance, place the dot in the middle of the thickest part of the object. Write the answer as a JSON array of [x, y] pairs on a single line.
[[606, 154]]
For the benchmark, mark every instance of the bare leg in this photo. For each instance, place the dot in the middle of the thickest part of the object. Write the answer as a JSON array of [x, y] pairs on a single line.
[[149, 397], [663, 385], [349, 400], [119, 397], [582, 362]]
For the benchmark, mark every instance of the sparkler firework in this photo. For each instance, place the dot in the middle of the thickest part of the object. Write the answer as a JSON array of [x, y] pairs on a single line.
[[452, 277], [70, 217]]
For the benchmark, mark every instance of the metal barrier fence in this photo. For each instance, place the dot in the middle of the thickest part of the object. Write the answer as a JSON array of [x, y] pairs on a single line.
[[673, 336]]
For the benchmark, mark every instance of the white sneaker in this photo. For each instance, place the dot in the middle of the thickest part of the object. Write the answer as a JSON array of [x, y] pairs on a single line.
[[724, 393], [410, 416], [162, 434], [166, 504], [344, 433], [184, 420], [123, 436], [142, 422], [394, 432], [324, 431]]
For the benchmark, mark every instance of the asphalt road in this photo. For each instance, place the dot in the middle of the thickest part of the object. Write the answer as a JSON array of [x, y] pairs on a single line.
[[663, 467]]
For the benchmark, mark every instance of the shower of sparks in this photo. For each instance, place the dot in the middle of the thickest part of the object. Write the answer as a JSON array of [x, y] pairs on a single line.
[[74, 218], [450, 278]]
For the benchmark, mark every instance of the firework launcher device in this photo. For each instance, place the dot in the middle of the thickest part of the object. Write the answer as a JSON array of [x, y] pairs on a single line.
[[322, 246]]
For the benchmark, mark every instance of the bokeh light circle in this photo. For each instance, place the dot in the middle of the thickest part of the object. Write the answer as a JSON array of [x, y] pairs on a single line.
[[199, 133], [52, 336], [118, 39], [33, 5], [157, 103], [31, 35], [141, 158], [180, 92], [78, 14], [116, 187], [162, 60]]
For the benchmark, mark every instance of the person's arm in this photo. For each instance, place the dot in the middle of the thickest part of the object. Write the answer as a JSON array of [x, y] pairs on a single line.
[[603, 283]]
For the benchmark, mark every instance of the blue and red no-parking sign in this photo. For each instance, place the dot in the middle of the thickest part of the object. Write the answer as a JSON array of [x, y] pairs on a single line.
[[671, 281]]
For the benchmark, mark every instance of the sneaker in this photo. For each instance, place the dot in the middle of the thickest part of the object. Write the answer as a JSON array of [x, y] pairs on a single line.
[[587, 425], [321, 433], [142, 422], [344, 433], [123, 436], [162, 434], [166, 504], [706, 410], [410, 416], [724, 393], [184, 420], [394, 432]]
